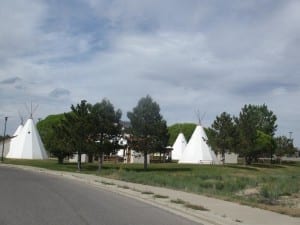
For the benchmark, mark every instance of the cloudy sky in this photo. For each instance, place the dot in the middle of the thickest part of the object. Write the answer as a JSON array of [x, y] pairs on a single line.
[[206, 55]]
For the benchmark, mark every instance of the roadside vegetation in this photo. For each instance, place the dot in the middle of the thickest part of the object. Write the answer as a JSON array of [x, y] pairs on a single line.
[[97, 131], [272, 187]]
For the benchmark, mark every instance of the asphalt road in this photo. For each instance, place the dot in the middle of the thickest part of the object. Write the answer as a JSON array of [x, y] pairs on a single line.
[[30, 198]]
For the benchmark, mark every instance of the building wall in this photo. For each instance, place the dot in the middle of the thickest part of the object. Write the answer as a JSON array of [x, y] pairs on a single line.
[[230, 158], [84, 158]]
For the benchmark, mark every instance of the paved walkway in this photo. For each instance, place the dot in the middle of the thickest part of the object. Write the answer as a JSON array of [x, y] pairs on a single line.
[[219, 212]]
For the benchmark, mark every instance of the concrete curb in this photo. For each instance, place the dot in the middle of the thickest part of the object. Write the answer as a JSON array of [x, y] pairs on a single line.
[[220, 212]]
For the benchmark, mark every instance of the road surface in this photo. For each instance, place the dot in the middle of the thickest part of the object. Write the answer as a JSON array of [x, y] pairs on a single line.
[[31, 198]]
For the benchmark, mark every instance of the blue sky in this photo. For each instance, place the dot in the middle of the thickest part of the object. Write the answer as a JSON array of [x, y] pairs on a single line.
[[197, 55]]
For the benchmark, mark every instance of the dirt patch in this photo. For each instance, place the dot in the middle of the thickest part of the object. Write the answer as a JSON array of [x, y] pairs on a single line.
[[291, 201], [288, 204], [248, 191]]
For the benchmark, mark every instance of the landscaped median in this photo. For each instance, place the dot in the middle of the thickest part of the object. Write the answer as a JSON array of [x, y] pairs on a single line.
[[271, 187]]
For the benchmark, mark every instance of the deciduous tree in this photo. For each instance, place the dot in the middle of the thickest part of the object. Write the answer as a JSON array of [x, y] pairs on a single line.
[[284, 146], [254, 118]]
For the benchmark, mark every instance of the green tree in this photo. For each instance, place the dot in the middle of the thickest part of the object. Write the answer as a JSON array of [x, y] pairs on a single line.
[[106, 126], [45, 127], [284, 146], [54, 138], [222, 134], [77, 127], [60, 145], [148, 127], [265, 144], [186, 128], [163, 142], [254, 118]]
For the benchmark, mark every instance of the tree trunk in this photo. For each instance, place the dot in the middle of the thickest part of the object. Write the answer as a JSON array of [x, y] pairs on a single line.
[[223, 157], [90, 157], [271, 160], [248, 160], [100, 161], [79, 161], [60, 159], [128, 155], [145, 160]]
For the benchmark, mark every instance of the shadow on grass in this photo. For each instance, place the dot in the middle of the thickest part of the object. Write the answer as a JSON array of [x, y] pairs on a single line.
[[242, 167], [290, 163], [158, 169], [270, 166], [151, 168]]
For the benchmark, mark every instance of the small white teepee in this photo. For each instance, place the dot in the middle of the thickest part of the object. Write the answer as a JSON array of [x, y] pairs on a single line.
[[26, 143], [197, 151], [178, 147]]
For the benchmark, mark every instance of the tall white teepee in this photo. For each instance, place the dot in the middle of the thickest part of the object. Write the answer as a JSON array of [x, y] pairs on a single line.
[[178, 146], [197, 151], [27, 143], [18, 130]]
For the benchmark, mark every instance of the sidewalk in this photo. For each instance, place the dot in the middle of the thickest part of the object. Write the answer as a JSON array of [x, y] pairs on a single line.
[[219, 212]]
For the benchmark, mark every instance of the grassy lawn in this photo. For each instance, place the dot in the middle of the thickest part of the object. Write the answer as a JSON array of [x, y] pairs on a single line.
[[273, 187]]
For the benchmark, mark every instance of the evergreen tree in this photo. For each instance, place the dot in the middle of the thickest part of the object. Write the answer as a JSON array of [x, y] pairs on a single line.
[[77, 127], [222, 134], [106, 127], [148, 127]]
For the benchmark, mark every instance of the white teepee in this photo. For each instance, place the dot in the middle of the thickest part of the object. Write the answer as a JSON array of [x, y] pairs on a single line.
[[178, 147], [197, 151], [27, 143], [18, 130]]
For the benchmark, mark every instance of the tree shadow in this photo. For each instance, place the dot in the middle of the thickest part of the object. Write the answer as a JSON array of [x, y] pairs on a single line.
[[267, 166], [242, 167], [157, 169]]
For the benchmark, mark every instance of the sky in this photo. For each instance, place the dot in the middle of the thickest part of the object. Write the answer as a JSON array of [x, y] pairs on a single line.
[[192, 57]]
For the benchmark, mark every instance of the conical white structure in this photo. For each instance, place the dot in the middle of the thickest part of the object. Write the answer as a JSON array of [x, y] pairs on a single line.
[[178, 147], [197, 151], [27, 144], [18, 130]]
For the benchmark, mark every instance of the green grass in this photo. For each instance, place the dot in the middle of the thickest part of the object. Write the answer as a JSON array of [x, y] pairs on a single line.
[[225, 182]]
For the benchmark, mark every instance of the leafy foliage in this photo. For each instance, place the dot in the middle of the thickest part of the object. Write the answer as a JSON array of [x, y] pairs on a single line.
[[106, 126], [222, 134], [284, 146], [254, 118], [77, 127], [54, 138], [265, 144], [186, 128], [148, 127]]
